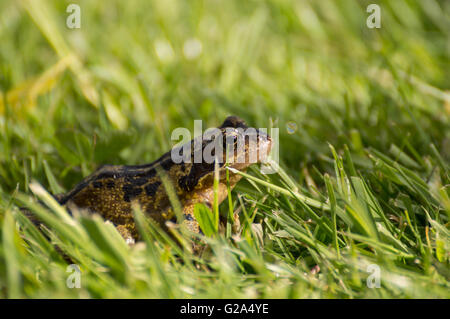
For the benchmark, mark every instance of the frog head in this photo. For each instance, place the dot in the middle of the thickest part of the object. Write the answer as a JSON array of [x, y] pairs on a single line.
[[232, 144]]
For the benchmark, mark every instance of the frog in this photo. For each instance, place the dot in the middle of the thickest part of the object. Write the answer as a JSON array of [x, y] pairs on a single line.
[[112, 190]]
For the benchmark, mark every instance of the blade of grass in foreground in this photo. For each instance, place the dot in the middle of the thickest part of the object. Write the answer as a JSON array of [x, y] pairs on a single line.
[[307, 200], [11, 256], [332, 197]]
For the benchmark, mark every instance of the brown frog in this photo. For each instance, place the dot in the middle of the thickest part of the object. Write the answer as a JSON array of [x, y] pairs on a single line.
[[111, 189]]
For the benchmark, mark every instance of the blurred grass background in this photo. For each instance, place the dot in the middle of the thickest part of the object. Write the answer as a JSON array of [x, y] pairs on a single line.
[[113, 90]]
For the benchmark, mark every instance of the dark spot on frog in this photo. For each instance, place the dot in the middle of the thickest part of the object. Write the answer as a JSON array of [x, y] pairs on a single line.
[[150, 173], [173, 219], [167, 164], [97, 184], [190, 180], [110, 184], [186, 183], [130, 192], [140, 181], [151, 189], [208, 204]]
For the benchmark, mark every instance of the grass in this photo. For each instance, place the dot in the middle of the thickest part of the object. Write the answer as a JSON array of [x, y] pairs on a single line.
[[364, 144]]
